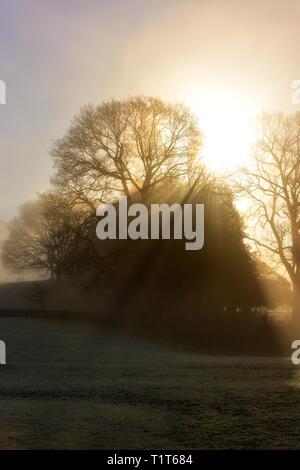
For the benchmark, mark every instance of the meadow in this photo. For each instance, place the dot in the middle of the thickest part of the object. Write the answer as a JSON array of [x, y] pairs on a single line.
[[79, 385]]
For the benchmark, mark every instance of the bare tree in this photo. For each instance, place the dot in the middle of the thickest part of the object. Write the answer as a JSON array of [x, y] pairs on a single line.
[[41, 236], [273, 185], [38, 294], [125, 147]]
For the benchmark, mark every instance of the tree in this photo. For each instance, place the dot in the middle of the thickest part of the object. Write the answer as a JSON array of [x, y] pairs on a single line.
[[41, 236], [121, 147], [160, 277], [273, 185], [38, 295], [277, 288]]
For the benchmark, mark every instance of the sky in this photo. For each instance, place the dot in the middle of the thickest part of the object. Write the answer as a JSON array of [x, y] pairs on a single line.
[[227, 59]]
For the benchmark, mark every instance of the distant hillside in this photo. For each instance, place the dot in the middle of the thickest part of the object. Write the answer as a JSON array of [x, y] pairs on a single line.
[[65, 296]]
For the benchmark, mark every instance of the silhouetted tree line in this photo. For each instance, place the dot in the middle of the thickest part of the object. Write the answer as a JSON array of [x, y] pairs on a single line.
[[160, 276], [147, 150]]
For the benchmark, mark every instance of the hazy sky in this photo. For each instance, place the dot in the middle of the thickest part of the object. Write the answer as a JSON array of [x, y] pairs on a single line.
[[56, 55]]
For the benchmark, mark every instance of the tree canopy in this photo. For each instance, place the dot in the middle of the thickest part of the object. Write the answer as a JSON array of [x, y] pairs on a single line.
[[120, 147]]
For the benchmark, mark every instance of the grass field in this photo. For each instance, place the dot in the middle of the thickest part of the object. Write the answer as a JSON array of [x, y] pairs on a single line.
[[71, 385]]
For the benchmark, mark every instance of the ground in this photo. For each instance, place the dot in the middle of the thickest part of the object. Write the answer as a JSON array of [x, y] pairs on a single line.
[[78, 385]]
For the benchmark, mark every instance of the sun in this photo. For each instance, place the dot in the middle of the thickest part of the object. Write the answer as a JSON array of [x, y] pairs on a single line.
[[227, 123]]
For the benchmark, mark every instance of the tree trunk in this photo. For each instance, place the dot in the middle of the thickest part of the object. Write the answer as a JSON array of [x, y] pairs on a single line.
[[296, 302]]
